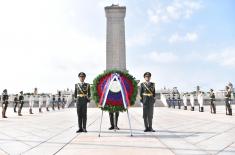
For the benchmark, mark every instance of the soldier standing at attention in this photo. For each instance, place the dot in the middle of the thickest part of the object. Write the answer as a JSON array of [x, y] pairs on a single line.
[[82, 96], [31, 103], [48, 101], [53, 102], [59, 100], [228, 101], [21, 103], [4, 103], [185, 100], [16, 102], [40, 103], [201, 101], [212, 100], [192, 101], [147, 94]]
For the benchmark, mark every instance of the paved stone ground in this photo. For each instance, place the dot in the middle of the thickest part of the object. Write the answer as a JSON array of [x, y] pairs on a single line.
[[178, 132]]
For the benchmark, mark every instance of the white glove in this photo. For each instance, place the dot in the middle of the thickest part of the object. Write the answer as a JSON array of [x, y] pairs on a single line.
[[88, 103], [141, 104]]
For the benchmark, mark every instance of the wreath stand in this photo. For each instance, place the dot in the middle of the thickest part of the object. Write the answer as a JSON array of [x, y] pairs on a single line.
[[115, 122]]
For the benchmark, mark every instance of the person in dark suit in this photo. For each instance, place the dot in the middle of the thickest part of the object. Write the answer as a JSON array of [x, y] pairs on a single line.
[[147, 94], [82, 96], [4, 103]]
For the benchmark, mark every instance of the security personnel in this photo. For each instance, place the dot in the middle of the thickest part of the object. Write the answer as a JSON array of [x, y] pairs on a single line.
[[228, 101], [147, 94], [16, 102], [21, 103], [31, 103], [4, 103], [212, 100], [82, 95], [185, 100], [59, 100], [201, 101], [192, 101]]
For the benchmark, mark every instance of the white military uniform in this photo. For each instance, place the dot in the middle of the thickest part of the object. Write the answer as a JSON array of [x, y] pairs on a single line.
[[40, 102], [200, 101], [192, 102], [31, 101], [48, 101]]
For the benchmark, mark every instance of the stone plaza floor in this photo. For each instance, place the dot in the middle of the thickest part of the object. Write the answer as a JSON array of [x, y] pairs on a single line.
[[178, 132]]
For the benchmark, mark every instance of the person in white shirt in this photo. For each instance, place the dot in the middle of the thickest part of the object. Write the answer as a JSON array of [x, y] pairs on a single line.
[[192, 101], [185, 100], [31, 103]]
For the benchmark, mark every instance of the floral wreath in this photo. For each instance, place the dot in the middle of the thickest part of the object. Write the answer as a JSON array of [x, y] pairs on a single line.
[[114, 90]]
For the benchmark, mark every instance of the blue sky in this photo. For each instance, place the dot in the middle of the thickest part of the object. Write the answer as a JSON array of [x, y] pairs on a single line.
[[184, 43]]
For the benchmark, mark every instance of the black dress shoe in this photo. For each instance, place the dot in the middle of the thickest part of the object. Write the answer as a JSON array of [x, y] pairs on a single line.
[[151, 130], [111, 128], [146, 130], [80, 130], [117, 128], [84, 130]]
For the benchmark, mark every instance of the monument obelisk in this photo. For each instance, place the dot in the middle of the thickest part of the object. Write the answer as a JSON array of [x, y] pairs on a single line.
[[115, 37]]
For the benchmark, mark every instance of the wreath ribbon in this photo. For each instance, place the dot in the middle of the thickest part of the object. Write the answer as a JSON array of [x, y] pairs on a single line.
[[111, 78]]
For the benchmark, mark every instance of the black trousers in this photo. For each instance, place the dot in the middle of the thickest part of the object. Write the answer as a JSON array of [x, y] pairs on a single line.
[[58, 103], [20, 107], [212, 106], [148, 109], [82, 112], [228, 107], [53, 105], [16, 103], [111, 117], [4, 108]]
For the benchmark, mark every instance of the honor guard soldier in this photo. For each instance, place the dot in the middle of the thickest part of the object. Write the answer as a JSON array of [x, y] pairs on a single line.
[[16, 102], [48, 101], [63, 102], [21, 103], [168, 100], [179, 101], [192, 101], [4, 103], [185, 100], [31, 103], [59, 100], [40, 103], [201, 101], [82, 95], [228, 101], [147, 94], [53, 102], [212, 101]]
